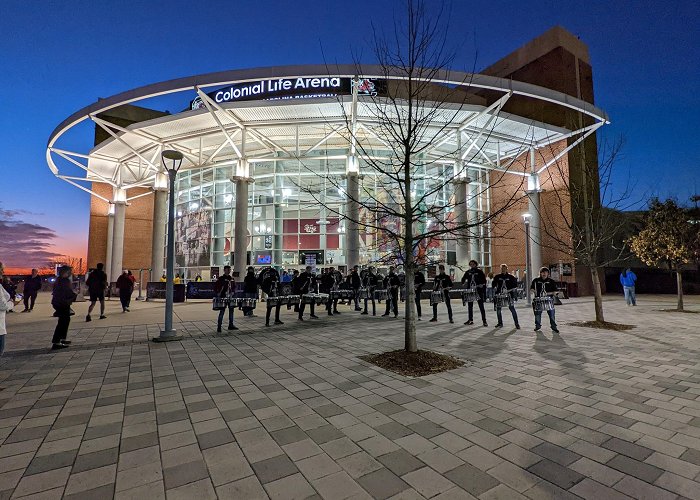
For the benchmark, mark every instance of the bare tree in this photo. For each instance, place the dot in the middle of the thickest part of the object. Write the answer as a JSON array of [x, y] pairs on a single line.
[[587, 222], [78, 264], [413, 201]]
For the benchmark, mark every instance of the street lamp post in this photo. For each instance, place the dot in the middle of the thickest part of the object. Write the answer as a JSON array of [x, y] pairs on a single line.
[[168, 333], [528, 260]]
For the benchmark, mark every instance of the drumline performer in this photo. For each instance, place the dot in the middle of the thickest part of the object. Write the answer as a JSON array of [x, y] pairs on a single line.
[[355, 283], [476, 278], [329, 285], [418, 284], [544, 286], [442, 284], [505, 283], [369, 283], [270, 285], [392, 284], [225, 287], [307, 284]]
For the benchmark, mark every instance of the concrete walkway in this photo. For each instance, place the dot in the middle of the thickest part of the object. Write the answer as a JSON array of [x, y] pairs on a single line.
[[291, 412]]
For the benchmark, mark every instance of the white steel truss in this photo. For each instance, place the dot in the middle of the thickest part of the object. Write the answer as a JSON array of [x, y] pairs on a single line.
[[131, 158]]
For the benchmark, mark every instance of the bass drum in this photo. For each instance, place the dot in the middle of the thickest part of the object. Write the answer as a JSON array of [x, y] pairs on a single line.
[[285, 288], [268, 272]]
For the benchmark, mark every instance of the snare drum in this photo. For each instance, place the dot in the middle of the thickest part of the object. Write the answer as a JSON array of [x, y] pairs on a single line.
[[364, 293], [540, 304], [308, 298], [502, 300], [436, 298], [469, 295], [381, 295], [321, 298], [219, 303], [247, 302]]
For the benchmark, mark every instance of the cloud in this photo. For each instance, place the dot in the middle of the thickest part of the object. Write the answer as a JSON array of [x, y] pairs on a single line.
[[23, 244]]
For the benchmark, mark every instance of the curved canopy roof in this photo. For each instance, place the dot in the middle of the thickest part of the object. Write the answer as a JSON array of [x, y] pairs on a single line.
[[475, 130]]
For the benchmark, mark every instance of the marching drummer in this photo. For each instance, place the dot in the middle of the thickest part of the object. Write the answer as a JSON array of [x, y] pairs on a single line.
[[544, 286], [369, 284], [329, 285], [418, 284], [224, 287], [306, 285], [392, 284], [355, 283], [475, 278], [505, 284], [442, 284], [270, 285]]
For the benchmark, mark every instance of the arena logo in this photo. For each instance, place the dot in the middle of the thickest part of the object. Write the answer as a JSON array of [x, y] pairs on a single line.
[[292, 88], [267, 87]]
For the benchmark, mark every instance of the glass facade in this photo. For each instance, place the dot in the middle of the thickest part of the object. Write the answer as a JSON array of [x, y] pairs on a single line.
[[296, 209]]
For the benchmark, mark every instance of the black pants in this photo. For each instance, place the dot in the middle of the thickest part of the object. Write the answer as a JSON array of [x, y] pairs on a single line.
[[29, 299], [302, 306], [269, 310], [392, 302], [470, 309], [356, 298], [61, 331], [332, 306], [418, 308], [221, 316], [125, 298], [447, 303]]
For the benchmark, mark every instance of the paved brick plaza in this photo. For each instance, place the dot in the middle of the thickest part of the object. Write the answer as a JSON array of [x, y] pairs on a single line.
[[292, 412]]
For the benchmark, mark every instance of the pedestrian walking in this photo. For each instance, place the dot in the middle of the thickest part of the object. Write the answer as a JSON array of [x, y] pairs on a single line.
[[628, 279], [32, 286], [63, 297], [125, 284], [97, 284], [6, 304]]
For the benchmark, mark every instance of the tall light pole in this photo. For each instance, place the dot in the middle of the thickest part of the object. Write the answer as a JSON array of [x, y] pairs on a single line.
[[175, 159], [528, 263]]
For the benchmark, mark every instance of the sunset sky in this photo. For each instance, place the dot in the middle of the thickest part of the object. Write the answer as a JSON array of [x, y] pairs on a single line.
[[59, 56]]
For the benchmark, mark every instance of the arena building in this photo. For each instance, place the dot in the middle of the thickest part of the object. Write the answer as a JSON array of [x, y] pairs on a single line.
[[259, 143]]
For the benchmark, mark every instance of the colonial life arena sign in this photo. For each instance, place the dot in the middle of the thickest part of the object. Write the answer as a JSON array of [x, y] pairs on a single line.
[[292, 88]]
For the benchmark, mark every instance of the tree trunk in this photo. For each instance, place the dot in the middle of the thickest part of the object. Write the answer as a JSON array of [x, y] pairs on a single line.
[[597, 295], [410, 344], [679, 285]]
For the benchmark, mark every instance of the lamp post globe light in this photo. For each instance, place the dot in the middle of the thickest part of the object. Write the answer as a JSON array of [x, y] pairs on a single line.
[[172, 160], [528, 263]]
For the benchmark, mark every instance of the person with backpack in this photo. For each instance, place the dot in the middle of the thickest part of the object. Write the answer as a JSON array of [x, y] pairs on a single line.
[[224, 287], [97, 284], [62, 298]]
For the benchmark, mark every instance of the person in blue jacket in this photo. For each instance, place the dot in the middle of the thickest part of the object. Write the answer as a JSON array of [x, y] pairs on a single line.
[[627, 279]]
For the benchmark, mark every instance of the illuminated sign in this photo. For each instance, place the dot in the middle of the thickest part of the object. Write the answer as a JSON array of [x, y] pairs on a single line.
[[292, 88]]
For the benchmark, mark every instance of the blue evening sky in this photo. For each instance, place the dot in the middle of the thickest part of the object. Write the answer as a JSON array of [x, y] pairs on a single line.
[[57, 56]]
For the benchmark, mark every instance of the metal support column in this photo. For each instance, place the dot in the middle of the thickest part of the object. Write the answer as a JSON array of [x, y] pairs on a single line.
[[160, 214], [462, 216], [110, 239], [352, 214], [118, 240], [240, 228]]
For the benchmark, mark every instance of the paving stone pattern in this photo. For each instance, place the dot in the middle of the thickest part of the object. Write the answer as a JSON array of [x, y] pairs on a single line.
[[293, 413]]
